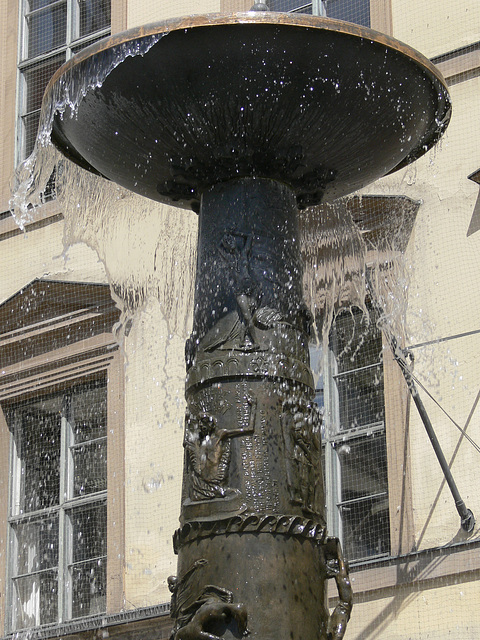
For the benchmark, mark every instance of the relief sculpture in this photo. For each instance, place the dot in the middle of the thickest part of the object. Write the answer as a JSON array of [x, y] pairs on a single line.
[[197, 616], [208, 448], [301, 425]]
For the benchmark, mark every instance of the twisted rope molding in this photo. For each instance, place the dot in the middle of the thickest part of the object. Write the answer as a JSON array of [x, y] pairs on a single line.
[[279, 524]]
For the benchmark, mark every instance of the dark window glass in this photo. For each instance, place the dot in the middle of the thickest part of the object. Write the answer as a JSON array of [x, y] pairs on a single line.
[[38, 427], [52, 533], [35, 600], [94, 16], [357, 11], [46, 29]]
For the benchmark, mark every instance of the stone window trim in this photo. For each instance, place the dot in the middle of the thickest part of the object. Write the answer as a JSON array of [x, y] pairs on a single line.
[[72, 343], [148, 623], [44, 215]]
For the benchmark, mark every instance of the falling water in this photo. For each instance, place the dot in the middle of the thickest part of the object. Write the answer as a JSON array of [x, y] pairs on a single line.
[[108, 218], [33, 174], [343, 270], [126, 229]]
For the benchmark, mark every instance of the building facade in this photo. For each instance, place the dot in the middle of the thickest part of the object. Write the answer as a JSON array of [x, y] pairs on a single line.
[[94, 311]]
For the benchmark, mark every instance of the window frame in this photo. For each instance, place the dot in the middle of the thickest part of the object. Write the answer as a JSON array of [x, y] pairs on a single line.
[[73, 43], [333, 435], [36, 371], [67, 503]]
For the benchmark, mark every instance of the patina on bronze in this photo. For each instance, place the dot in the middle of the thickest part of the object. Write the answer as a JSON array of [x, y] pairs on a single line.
[[247, 119]]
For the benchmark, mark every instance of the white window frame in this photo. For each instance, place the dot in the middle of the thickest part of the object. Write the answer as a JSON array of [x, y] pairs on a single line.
[[73, 43], [332, 435], [67, 502]]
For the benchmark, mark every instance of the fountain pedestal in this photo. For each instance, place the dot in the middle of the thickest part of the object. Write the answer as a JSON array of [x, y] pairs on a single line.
[[244, 118], [253, 516]]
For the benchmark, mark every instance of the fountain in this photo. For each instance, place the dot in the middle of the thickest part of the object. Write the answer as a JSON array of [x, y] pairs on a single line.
[[247, 119]]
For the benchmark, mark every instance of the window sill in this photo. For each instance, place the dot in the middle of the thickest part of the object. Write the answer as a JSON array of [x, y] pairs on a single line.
[[97, 622], [45, 215], [429, 565]]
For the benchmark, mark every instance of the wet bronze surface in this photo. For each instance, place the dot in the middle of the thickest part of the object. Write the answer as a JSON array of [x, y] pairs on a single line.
[[324, 106], [253, 550], [247, 118]]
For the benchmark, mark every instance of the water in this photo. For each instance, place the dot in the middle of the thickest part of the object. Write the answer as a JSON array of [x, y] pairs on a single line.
[[141, 264], [33, 174]]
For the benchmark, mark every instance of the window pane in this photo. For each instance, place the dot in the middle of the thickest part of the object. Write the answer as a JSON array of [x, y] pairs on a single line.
[[364, 496], [35, 600], [94, 16], [35, 80], [356, 340], [363, 466], [89, 430], [88, 568], [90, 467], [88, 588], [89, 532], [33, 5], [290, 5], [90, 411], [46, 29], [361, 397], [350, 10], [37, 545], [38, 442], [366, 529], [30, 129]]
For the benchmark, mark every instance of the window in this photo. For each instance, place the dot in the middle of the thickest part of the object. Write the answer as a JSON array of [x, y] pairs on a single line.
[[354, 444], [61, 444], [51, 32], [58, 512], [357, 11]]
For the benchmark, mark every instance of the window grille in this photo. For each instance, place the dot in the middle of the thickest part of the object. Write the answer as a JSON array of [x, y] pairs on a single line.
[[357, 11], [51, 32], [354, 444], [58, 511]]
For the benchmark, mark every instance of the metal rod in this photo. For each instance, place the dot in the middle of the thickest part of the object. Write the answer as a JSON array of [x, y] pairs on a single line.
[[467, 519]]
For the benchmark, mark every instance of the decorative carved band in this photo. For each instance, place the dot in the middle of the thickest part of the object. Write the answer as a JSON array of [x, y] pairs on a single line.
[[278, 524], [256, 364]]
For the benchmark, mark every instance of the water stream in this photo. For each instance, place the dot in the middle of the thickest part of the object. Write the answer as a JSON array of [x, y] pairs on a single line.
[[129, 233]]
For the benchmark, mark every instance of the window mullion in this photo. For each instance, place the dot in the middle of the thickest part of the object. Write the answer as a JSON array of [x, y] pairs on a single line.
[[332, 471], [16, 466], [63, 544], [14, 508], [71, 24]]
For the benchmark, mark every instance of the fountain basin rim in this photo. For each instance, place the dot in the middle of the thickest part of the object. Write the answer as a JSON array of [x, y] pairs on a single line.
[[300, 160], [207, 20]]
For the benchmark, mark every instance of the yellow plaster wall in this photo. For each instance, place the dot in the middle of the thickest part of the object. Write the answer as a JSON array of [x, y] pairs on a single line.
[[40, 254], [434, 611], [8, 79], [435, 28], [443, 302], [155, 378], [139, 13]]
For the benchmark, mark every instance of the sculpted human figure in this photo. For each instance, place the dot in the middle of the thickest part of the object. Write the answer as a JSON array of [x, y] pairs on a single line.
[[208, 448]]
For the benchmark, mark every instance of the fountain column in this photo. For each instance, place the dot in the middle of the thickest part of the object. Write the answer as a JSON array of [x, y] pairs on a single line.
[[326, 108], [252, 518]]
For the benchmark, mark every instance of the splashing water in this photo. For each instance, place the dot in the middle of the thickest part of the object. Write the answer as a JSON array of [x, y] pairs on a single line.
[[107, 217], [112, 221], [334, 259], [33, 174], [344, 270]]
